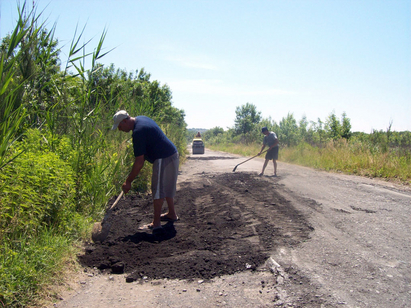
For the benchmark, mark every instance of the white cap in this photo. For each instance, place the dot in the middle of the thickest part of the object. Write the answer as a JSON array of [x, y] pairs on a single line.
[[118, 117]]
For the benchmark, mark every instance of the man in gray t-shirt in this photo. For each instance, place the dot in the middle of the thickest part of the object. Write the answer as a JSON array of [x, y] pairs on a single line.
[[270, 140]]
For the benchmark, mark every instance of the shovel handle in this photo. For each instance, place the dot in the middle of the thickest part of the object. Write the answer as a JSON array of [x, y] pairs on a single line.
[[117, 200]]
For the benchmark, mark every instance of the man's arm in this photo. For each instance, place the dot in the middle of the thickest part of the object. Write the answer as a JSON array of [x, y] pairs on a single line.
[[262, 148], [135, 170]]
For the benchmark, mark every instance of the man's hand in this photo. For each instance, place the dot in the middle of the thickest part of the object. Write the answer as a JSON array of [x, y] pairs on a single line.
[[126, 186], [135, 170]]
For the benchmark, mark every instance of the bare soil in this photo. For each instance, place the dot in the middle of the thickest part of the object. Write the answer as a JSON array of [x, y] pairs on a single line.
[[303, 239], [229, 223]]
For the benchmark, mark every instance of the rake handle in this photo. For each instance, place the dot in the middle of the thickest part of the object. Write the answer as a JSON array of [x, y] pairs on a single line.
[[248, 160]]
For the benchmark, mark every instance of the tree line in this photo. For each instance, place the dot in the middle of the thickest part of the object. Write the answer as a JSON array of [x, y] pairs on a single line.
[[292, 132]]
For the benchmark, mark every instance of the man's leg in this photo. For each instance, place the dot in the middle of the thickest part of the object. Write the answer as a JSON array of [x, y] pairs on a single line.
[[167, 185], [171, 210], [158, 204], [275, 166], [265, 165]]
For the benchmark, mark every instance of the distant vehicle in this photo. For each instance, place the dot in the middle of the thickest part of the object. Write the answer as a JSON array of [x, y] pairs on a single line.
[[198, 146]]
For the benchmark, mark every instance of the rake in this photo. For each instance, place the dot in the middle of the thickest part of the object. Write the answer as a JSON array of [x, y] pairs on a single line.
[[248, 160]]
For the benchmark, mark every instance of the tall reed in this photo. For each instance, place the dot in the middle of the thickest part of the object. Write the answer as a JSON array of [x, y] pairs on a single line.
[[12, 111]]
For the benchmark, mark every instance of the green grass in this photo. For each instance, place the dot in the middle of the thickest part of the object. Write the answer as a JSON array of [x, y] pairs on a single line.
[[29, 266], [341, 156]]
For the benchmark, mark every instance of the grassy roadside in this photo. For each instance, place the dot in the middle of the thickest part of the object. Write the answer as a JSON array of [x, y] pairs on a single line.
[[338, 157], [31, 269]]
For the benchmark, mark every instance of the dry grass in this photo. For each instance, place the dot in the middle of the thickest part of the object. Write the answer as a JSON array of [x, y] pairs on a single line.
[[342, 156]]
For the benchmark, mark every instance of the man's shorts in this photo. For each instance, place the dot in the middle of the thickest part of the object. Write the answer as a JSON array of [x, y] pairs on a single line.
[[164, 178], [272, 154]]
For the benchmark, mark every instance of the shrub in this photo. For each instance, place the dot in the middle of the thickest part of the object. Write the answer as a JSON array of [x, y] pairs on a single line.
[[36, 190]]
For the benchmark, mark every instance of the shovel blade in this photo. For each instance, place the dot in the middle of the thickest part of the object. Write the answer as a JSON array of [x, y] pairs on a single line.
[[100, 232]]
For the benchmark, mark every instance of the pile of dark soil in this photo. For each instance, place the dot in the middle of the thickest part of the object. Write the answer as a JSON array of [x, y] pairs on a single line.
[[228, 223]]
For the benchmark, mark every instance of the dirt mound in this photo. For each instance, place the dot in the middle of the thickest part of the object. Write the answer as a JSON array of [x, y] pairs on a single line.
[[228, 223]]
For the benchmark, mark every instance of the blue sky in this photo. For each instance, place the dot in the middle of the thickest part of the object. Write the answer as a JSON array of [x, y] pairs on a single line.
[[306, 57]]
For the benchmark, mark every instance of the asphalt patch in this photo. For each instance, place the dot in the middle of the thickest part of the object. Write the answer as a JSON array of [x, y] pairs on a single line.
[[228, 223]]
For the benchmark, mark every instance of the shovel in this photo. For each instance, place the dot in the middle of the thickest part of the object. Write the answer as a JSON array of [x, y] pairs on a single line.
[[100, 231], [248, 160]]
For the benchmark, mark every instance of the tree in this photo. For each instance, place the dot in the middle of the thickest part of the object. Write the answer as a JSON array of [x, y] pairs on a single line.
[[213, 132], [336, 129], [288, 130], [247, 117], [303, 124], [346, 127], [333, 127]]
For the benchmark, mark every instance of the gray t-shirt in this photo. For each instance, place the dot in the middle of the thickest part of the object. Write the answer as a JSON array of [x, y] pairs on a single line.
[[270, 139]]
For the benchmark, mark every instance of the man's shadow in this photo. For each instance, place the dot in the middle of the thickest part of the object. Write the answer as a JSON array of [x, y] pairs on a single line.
[[166, 233]]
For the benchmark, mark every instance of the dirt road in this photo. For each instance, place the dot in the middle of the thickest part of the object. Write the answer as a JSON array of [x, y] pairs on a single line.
[[303, 239]]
